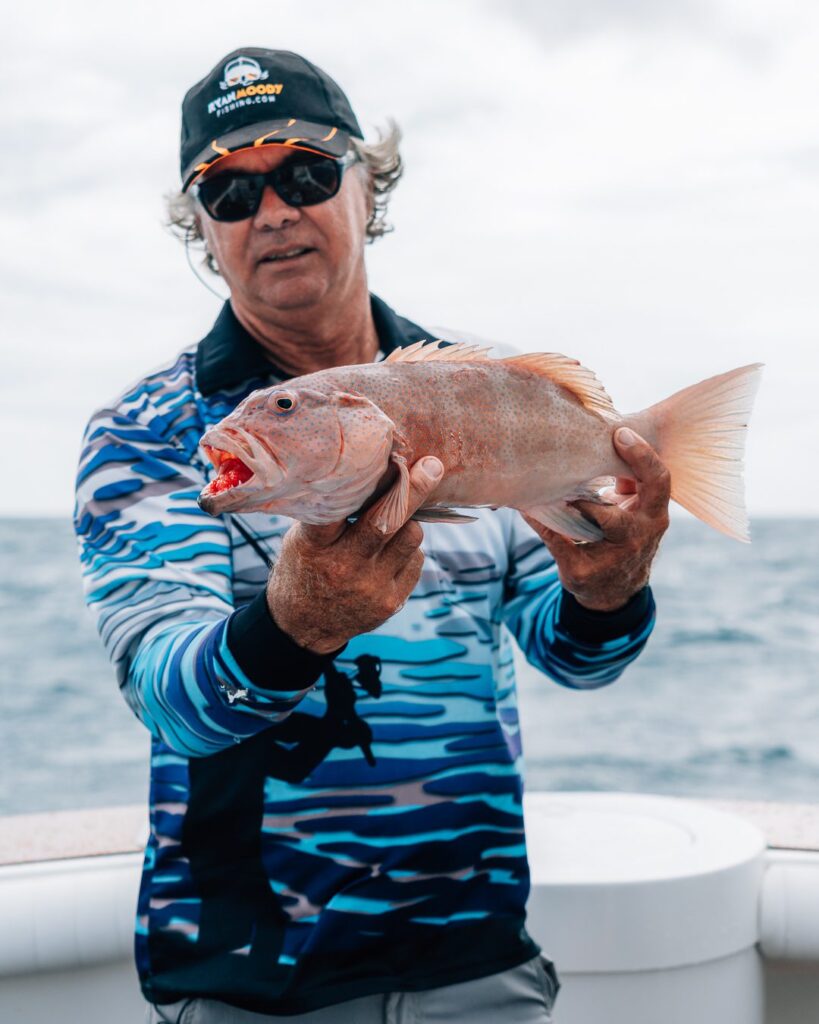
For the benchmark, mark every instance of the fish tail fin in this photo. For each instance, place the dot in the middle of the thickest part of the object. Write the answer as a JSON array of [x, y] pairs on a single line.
[[700, 436]]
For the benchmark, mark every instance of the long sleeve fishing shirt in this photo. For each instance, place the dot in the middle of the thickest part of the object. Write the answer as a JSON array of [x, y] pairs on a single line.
[[321, 828]]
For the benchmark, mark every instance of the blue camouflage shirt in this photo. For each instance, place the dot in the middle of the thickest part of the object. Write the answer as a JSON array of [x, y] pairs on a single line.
[[322, 827]]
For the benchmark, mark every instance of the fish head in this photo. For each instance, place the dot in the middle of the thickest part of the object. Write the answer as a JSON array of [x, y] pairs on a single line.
[[297, 451]]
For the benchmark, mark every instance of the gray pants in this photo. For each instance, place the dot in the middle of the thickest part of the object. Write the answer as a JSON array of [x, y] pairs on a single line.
[[524, 995]]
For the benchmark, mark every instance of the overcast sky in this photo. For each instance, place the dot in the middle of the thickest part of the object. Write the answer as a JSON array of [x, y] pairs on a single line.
[[632, 182]]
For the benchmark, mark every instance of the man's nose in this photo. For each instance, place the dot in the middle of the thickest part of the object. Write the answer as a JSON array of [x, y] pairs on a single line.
[[274, 213]]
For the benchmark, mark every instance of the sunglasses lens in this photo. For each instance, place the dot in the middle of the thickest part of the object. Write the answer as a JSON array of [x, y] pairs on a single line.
[[303, 181], [309, 181], [230, 197]]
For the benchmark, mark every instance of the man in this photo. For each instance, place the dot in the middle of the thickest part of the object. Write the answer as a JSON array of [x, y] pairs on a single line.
[[336, 827]]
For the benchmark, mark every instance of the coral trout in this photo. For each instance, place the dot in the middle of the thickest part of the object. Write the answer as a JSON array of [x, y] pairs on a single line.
[[533, 432]]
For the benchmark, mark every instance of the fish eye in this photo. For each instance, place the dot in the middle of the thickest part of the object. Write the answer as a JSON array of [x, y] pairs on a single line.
[[284, 402]]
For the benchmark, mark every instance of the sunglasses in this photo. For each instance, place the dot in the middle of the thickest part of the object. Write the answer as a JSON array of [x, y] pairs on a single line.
[[303, 180]]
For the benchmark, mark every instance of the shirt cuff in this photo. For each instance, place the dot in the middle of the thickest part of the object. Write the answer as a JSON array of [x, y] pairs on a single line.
[[267, 655], [593, 627]]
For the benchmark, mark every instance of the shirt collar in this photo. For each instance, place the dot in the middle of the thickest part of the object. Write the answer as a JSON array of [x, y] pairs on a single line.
[[228, 356]]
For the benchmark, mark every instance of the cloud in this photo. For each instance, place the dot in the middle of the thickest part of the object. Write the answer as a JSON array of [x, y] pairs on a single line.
[[620, 181], [639, 21], [562, 19]]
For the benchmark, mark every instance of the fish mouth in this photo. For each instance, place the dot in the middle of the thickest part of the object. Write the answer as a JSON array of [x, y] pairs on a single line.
[[233, 459], [248, 471], [232, 472]]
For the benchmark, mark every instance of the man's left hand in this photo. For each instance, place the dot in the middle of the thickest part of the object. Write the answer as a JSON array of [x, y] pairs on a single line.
[[604, 575]]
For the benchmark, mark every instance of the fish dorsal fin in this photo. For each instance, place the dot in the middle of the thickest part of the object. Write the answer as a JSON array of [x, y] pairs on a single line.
[[422, 352], [566, 372], [569, 374]]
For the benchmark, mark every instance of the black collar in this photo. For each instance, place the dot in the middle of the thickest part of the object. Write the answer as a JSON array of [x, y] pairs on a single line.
[[228, 356]]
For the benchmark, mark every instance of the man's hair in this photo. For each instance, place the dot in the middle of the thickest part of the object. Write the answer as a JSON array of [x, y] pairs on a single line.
[[380, 160]]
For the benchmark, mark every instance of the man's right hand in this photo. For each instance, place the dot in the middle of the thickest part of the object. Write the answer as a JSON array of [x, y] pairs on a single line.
[[334, 582]]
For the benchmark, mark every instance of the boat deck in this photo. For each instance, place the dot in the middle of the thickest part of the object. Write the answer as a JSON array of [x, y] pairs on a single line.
[[71, 879], [100, 831]]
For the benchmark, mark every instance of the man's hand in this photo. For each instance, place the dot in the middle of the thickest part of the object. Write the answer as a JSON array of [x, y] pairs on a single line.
[[332, 583], [604, 575]]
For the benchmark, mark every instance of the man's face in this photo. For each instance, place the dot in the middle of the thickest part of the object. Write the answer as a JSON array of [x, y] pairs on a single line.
[[327, 241]]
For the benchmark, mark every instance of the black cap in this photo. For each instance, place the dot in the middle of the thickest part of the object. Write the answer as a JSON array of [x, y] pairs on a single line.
[[256, 97]]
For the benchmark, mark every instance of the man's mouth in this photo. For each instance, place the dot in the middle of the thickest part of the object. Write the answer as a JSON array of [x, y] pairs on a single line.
[[290, 254], [232, 472]]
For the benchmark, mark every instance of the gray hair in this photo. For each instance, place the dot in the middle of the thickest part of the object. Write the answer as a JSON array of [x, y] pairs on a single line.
[[380, 161]]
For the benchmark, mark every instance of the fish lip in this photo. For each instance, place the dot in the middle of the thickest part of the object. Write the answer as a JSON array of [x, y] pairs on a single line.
[[207, 503], [228, 442]]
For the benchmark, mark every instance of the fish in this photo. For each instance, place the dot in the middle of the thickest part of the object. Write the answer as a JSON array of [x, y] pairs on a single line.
[[532, 432]]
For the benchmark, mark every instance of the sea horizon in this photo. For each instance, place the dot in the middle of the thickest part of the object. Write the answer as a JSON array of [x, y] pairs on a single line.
[[722, 703]]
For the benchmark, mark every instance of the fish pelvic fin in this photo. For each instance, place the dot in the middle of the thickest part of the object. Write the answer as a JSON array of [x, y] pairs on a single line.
[[566, 520], [571, 375], [700, 436], [440, 351]]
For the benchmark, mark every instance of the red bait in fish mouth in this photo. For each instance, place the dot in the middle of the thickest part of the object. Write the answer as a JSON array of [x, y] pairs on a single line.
[[232, 471]]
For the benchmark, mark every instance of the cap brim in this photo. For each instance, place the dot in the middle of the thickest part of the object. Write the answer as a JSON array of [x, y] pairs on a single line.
[[319, 138]]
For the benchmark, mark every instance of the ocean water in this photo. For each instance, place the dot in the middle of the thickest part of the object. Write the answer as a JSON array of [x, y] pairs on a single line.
[[724, 701]]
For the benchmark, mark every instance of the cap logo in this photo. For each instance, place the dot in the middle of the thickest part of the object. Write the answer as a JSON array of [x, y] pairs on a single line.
[[243, 83], [241, 71]]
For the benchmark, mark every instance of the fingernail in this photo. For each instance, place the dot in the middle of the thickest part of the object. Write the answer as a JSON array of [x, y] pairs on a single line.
[[626, 436], [432, 468]]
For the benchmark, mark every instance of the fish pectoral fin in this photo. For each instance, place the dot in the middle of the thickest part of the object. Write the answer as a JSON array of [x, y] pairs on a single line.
[[431, 514], [390, 511], [565, 520]]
